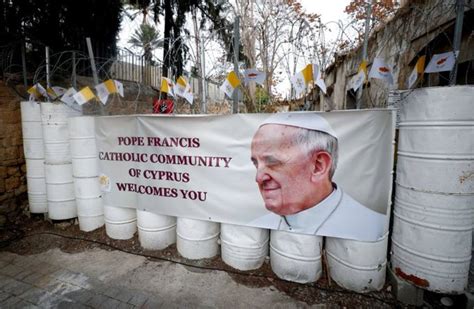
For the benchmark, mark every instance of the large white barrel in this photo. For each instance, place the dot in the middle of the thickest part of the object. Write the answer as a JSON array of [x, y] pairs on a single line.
[[243, 247], [120, 222], [87, 188], [90, 213], [357, 265], [55, 132], [33, 148], [60, 191], [296, 257], [155, 232], [433, 213], [36, 184], [83, 147], [32, 130], [34, 156], [197, 239], [30, 111], [86, 181]]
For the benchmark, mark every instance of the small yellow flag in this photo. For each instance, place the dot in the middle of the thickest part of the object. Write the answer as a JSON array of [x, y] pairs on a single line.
[[308, 73], [181, 81], [420, 65], [363, 67], [110, 85], [233, 79], [83, 96]]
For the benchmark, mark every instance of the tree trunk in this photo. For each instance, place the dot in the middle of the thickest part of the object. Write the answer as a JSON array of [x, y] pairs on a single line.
[[167, 37]]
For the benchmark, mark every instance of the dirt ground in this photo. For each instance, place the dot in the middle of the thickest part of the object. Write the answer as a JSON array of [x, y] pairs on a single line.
[[32, 235]]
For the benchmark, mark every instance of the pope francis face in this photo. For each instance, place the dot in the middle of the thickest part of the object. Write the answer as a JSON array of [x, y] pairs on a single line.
[[285, 173]]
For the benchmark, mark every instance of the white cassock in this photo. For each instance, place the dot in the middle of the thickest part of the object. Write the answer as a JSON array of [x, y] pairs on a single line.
[[338, 215]]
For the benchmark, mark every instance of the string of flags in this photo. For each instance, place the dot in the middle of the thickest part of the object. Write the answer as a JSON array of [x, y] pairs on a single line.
[[302, 79], [443, 62], [311, 73], [180, 89], [71, 95]]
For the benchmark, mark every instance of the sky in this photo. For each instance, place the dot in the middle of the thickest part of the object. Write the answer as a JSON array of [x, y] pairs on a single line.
[[329, 10]]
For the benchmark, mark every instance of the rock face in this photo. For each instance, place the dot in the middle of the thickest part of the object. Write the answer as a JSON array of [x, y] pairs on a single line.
[[12, 162]]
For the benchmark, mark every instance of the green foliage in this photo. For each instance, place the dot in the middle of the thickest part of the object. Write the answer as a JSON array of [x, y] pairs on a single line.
[[262, 98], [61, 25], [147, 38]]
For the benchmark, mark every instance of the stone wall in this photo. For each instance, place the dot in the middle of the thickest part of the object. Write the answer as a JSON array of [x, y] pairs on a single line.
[[12, 163]]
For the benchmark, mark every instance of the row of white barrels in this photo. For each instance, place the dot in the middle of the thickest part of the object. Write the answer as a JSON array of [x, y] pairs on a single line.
[[62, 163], [358, 266]]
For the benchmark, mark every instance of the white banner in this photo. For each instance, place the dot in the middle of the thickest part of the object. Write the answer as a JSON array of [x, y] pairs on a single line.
[[206, 167]]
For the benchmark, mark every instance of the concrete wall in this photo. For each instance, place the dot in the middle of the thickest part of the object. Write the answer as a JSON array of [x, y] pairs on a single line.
[[399, 42], [12, 162]]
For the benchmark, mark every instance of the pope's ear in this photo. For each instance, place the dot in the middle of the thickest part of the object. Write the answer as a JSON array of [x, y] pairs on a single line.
[[321, 165]]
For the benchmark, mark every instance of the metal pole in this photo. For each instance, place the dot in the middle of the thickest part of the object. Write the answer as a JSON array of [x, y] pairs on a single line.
[[457, 38], [235, 107], [74, 77], [94, 71], [48, 84], [203, 78], [91, 57], [47, 68], [23, 62], [364, 49]]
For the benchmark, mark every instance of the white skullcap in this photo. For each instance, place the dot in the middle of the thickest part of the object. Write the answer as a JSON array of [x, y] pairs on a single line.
[[310, 121]]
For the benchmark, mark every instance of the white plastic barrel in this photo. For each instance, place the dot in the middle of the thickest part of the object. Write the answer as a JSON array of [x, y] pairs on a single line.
[[33, 148], [30, 111], [197, 239], [296, 257], [86, 181], [243, 247], [87, 188], [433, 209], [83, 146], [155, 232], [60, 191], [55, 132], [120, 222], [36, 185], [90, 213], [357, 265]]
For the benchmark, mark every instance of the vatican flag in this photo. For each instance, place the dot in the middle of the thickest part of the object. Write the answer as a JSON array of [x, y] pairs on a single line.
[[189, 96], [105, 89], [317, 78], [417, 70], [167, 86], [37, 91], [301, 80], [180, 87], [84, 96], [231, 82], [359, 79], [68, 96]]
